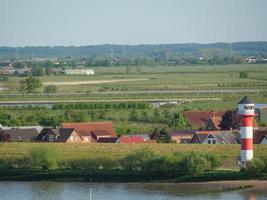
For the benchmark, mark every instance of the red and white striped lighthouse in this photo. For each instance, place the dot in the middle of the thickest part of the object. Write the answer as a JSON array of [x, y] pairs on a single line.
[[246, 112]]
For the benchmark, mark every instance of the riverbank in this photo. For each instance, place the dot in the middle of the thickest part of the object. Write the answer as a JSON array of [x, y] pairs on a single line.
[[58, 175]]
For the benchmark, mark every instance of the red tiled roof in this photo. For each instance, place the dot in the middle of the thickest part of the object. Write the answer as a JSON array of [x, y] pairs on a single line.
[[216, 120], [129, 139], [85, 129], [199, 118]]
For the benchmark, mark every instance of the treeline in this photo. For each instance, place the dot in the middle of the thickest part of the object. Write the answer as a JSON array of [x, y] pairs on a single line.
[[143, 161], [130, 51], [114, 106]]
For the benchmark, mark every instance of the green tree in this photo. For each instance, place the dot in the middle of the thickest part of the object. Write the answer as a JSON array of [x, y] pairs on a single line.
[[243, 75], [133, 115], [50, 89], [44, 157], [38, 71], [30, 85], [178, 122]]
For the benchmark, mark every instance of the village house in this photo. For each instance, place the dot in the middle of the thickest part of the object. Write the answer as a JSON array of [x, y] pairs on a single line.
[[21, 135], [66, 135], [130, 139], [79, 72], [213, 123], [199, 119], [38, 128], [92, 131], [182, 137], [215, 137]]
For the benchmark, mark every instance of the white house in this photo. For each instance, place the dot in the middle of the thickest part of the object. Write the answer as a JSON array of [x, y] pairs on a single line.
[[79, 72]]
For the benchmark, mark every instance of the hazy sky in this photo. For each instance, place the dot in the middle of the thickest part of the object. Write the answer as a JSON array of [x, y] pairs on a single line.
[[88, 22]]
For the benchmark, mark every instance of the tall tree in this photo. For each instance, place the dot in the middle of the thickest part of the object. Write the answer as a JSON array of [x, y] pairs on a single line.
[[30, 85]]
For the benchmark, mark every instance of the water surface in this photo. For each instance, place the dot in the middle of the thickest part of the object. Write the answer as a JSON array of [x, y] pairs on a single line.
[[117, 191]]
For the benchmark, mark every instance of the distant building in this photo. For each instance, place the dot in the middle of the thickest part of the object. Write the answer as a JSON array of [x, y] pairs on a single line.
[[251, 59], [215, 137], [163, 103], [92, 131], [66, 135], [199, 119], [7, 71], [21, 135], [213, 123], [38, 128], [130, 139], [79, 71], [182, 137]]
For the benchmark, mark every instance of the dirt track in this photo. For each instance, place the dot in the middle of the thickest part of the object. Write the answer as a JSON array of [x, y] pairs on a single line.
[[93, 82]]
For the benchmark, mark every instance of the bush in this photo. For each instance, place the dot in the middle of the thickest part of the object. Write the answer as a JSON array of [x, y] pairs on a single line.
[[141, 160], [44, 157], [243, 74], [256, 167], [50, 89], [196, 163]]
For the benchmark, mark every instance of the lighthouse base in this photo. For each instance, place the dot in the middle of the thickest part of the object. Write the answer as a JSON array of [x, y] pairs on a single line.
[[246, 155]]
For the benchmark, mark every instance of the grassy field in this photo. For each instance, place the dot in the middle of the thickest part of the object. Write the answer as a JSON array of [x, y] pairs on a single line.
[[161, 78]]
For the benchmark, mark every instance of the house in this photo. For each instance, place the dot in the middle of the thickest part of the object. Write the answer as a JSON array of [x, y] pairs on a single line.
[[163, 103], [213, 123], [199, 119], [7, 71], [66, 135], [182, 137], [79, 71], [21, 135], [131, 139], [215, 137], [23, 71], [259, 135], [38, 128], [4, 137], [107, 140], [92, 131], [264, 140]]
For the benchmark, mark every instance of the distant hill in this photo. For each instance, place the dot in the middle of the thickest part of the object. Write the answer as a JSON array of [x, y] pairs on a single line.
[[106, 50]]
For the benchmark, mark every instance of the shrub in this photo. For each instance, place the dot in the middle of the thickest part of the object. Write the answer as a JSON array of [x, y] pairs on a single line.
[[44, 157], [195, 164], [256, 166], [141, 160]]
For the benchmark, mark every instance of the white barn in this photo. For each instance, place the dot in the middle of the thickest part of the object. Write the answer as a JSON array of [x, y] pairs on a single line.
[[79, 72]]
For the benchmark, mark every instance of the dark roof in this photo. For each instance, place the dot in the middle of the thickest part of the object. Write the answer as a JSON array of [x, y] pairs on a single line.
[[22, 134], [100, 133], [224, 137], [183, 133], [107, 140], [245, 100], [62, 134]]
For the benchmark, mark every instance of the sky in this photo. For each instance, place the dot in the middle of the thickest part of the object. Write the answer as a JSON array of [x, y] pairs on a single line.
[[92, 22]]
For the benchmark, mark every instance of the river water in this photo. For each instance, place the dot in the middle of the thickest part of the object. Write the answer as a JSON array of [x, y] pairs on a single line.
[[10, 190]]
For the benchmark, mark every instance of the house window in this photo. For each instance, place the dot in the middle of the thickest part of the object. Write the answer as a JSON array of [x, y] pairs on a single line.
[[51, 138], [211, 141], [71, 138]]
